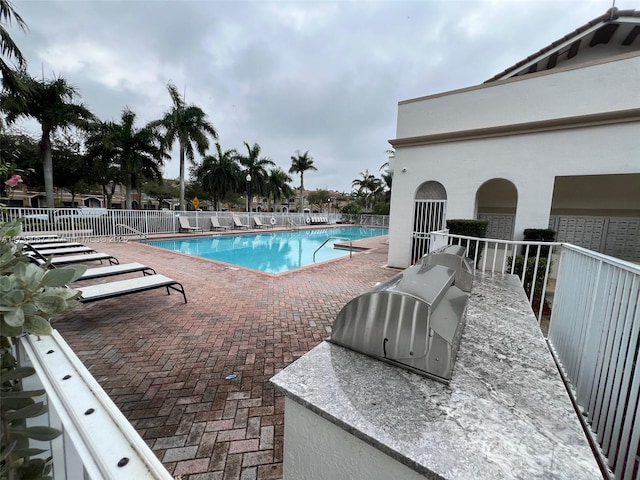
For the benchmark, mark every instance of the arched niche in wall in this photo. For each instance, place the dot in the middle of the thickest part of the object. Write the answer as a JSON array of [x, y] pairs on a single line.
[[497, 202], [431, 190]]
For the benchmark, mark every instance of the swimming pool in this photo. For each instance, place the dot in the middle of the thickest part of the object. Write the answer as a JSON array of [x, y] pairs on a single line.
[[271, 252]]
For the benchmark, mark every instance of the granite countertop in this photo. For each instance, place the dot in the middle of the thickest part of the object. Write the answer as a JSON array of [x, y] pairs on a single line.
[[505, 414]]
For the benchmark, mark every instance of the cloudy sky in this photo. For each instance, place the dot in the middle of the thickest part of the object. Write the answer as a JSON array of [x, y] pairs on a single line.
[[322, 76]]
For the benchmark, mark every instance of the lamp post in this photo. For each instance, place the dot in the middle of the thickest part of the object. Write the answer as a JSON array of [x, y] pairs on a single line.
[[248, 192]]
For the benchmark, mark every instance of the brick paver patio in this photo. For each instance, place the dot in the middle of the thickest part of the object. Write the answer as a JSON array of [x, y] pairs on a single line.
[[165, 364]]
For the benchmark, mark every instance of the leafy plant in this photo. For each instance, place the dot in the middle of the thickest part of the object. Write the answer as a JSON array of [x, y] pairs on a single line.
[[469, 228], [381, 208], [529, 281], [538, 235], [352, 209], [30, 295]]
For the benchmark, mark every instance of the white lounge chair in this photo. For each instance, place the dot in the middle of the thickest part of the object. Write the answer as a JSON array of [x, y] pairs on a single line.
[[118, 288], [215, 224], [118, 269], [57, 244], [45, 252], [238, 224], [40, 238], [185, 226], [71, 259], [258, 223]]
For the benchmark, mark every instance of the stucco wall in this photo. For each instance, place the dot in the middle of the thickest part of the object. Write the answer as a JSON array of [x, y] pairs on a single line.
[[603, 87], [531, 161], [316, 449]]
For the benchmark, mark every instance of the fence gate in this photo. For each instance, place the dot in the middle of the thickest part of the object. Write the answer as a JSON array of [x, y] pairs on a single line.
[[428, 215]]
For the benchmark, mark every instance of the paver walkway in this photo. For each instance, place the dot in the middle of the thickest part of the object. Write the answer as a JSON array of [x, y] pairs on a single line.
[[165, 363]]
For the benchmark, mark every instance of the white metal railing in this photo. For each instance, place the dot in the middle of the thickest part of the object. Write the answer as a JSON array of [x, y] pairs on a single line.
[[130, 230], [595, 336], [100, 222], [334, 238], [97, 441], [531, 261]]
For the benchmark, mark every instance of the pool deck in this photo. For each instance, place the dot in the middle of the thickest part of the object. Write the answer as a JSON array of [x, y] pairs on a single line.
[[165, 363]]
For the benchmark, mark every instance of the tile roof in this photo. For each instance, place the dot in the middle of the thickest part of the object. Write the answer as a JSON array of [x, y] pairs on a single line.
[[612, 15]]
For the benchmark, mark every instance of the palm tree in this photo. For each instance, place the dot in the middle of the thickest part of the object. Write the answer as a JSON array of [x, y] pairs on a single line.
[[101, 162], [387, 179], [188, 125], [138, 151], [257, 168], [51, 102], [367, 185], [219, 173], [391, 153], [278, 184], [300, 164], [8, 48]]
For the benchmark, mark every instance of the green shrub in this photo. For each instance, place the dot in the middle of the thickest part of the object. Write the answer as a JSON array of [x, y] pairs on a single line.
[[538, 235], [528, 278], [352, 209], [381, 208], [469, 228]]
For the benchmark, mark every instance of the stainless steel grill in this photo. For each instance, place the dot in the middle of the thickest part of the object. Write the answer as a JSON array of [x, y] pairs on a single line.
[[414, 320], [453, 257]]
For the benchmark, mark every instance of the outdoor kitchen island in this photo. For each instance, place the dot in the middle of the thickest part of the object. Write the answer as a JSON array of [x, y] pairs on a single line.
[[504, 415]]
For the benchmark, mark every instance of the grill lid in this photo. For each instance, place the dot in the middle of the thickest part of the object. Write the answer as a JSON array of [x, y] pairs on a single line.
[[414, 320], [453, 256]]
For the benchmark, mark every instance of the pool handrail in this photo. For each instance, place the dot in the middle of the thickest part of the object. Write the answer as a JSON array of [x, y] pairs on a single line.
[[335, 238]]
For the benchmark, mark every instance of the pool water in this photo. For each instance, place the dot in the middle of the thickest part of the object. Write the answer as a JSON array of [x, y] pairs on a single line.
[[271, 252]]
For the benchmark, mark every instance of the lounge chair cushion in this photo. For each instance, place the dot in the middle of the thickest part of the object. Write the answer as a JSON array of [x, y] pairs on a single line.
[[238, 224], [64, 251], [69, 259], [186, 227], [118, 269], [40, 238], [58, 244], [215, 224], [131, 285]]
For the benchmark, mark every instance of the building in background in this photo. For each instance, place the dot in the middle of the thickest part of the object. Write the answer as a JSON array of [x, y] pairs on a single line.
[[551, 142]]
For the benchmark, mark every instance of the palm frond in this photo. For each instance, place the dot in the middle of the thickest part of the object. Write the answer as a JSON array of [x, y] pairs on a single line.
[[8, 47]]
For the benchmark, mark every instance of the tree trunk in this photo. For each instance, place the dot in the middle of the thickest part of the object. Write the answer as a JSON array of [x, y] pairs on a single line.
[[301, 192], [182, 207], [47, 164], [127, 197], [106, 198]]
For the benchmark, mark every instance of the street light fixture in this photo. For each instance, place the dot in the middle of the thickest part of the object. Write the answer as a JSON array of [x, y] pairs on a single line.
[[248, 192]]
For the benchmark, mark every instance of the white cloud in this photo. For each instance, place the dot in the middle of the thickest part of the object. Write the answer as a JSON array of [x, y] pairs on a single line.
[[323, 76], [304, 17], [102, 64]]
